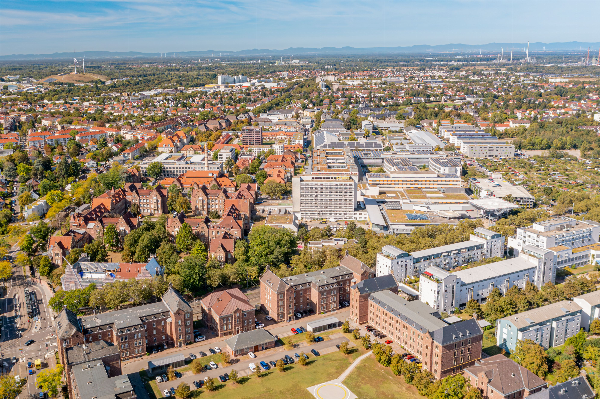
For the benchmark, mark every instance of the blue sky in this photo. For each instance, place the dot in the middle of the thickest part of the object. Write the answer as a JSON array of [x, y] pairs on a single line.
[[33, 26]]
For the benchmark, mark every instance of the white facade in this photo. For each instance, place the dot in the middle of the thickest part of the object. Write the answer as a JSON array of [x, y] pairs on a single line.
[[447, 166], [392, 260], [590, 306], [324, 197], [559, 231], [488, 150], [230, 80], [39, 208], [226, 153]]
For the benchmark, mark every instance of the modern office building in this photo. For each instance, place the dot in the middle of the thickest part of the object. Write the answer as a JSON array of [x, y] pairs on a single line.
[[409, 178], [478, 149], [324, 197], [483, 244], [176, 164], [251, 135], [548, 326], [446, 166]]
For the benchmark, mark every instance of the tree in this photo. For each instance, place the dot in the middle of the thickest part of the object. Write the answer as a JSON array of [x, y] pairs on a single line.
[[568, 370], [171, 373], [452, 387], [54, 196], [366, 341], [273, 189], [167, 257], [302, 359], [346, 327], [287, 343], [344, 347], [595, 326], [243, 179], [182, 204], [233, 376], [199, 251], [356, 334], [9, 388], [210, 384], [154, 170], [111, 237], [50, 380], [192, 272], [473, 307], [185, 238], [310, 337], [280, 366], [225, 358], [183, 391], [531, 356], [258, 372], [473, 393], [41, 231], [261, 176], [270, 246], [578, 341], [25, 199], [27, 244], [10, 171], [45, 266], [96, 251], [197, 366]]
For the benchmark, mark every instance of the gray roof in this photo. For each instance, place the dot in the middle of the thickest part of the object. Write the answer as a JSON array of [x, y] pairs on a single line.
[[250, 339], [577, 388], [446, 248], [415, 313], [91, 351], [457, 332], [66, 324], [376, 284], [323, 322], [93, 382], [593, 298], [539, 315], [165, 361], [175, 301], [319, 277], [493, 270], [124, 317]]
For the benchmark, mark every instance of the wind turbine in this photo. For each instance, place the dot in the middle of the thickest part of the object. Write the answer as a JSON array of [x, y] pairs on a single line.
[[75, 62]]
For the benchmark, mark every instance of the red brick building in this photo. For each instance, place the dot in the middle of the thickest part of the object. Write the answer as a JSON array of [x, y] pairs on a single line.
[[360, 292], [150, 202], [228, 312], [499, 377], [317, 292]]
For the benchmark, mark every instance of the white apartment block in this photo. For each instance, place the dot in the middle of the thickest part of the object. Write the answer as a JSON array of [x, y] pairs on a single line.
[[483, 244], [446, 166], [176, 164], [574, 242], [547, 326], [590, 307], [413, 179], [447, 291], [488, 150], [226, 153], [324, 197]]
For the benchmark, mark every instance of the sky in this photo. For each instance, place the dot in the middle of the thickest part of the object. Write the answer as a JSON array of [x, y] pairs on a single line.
[[42, 27]]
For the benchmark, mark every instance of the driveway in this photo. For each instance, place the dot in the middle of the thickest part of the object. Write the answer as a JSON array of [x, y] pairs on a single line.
[[243, 369]]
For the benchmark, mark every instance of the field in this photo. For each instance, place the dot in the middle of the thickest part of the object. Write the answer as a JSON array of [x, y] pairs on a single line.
[[370, 380], [79, 78]]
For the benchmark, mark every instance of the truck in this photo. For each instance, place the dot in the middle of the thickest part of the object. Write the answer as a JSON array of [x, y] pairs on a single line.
[[38, 364]]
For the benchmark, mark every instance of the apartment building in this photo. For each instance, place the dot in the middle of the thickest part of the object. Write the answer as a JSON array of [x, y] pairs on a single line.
[[323, 197], [487, 149], [151, 202], [401, 180], [360, 292], [573, 242], [135, 330], [499, 377], [446, 166], [442, 348], [575, 388], [316, 292], [483, 244], [228, 312], [90, 381], [446, 291], [176, 164], [104, 353], [548, 326], [590, 308], [251, 135]]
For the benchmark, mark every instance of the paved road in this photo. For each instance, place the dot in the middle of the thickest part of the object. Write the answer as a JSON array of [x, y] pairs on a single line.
[[243, 369]]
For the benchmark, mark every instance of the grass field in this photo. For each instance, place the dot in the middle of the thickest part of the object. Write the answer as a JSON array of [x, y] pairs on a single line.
[[274, 384], [489, 343], [297, 338], [370, 380]]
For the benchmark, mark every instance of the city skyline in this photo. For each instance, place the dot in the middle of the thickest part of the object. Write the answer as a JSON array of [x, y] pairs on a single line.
[[154, 26]]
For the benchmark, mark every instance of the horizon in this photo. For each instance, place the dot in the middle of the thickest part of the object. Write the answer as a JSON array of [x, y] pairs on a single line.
[[154, 26]]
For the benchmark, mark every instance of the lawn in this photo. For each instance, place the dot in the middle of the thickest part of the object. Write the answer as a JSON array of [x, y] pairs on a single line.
[[275, 384], [370, 380], [489, 342], [297, 338], [582, 269]]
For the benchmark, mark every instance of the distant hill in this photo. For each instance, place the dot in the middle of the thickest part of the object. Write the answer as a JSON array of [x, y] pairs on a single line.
[[305, 51], [74, 78]]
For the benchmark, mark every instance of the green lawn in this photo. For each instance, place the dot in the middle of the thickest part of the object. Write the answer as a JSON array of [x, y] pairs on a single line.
[[297, 338], [370, 380], [280, 385], [489, 342], [203, 360]]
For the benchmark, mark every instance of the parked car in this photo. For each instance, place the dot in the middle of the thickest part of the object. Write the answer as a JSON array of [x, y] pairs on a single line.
[[305, 356], [300, 330], [172, 391], [252, 367], [166, 393], [297, 355], [299, 315], [196, 384], [389, 341], [252, 355], [164, 378], [319, 339], [289, 359], [294, 331], [31, 371], [314, 352], [284, 360], [192, 356], [202, 354], [264, 365], [159, 379], [260, 325], [29, 342], [272, 364], [217, 349], [338, 346], [212, 351], [269, 318], [213, 365], [200, 338], [222, 378]]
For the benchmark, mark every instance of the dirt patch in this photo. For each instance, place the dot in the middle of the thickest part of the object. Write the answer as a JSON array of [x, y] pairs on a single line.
[[75, 78]]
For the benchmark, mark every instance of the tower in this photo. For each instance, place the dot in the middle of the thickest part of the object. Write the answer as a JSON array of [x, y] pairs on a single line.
[[527, 53], [84, 65], [502, 58], [75, 63], [510, 55], [206, 156], [587, 60]]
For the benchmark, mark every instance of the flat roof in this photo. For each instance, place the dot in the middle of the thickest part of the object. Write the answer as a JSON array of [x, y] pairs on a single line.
[[165, 361], [542, 314], [492, 270], [593, 298], [504, 188], [323, 322], [446, 248], [493, 204]]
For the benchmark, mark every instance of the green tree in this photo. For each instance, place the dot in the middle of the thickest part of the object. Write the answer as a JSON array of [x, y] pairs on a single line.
[[233, 376], [578, 341], [27, 244], [45, 266], [171, 373], [344, 347], [302, 359], [346, 327], [25, 199], [113, 178], [261, 176], [167, 257], [193, 273], [473, 393], [210, 384], [9, 388], [273, 189], [280, 366], [183, 391], [225, 358], [199, 250], [568, 370], [41, 231], [111, 237], [243, 179], [197, 366], [270, 246], [54, 196], [96, 251], [366, 341], [595, 326], [50, 380], [154, 170], [310, 337], [185, 238], [356, 334], [452, 387], [531, 356], [473, 307], [182, 204]]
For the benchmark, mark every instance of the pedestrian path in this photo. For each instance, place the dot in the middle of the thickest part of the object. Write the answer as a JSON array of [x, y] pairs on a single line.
[[335, 389]]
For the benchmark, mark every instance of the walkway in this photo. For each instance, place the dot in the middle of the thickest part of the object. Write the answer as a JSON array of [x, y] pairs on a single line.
[[334, 389]]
